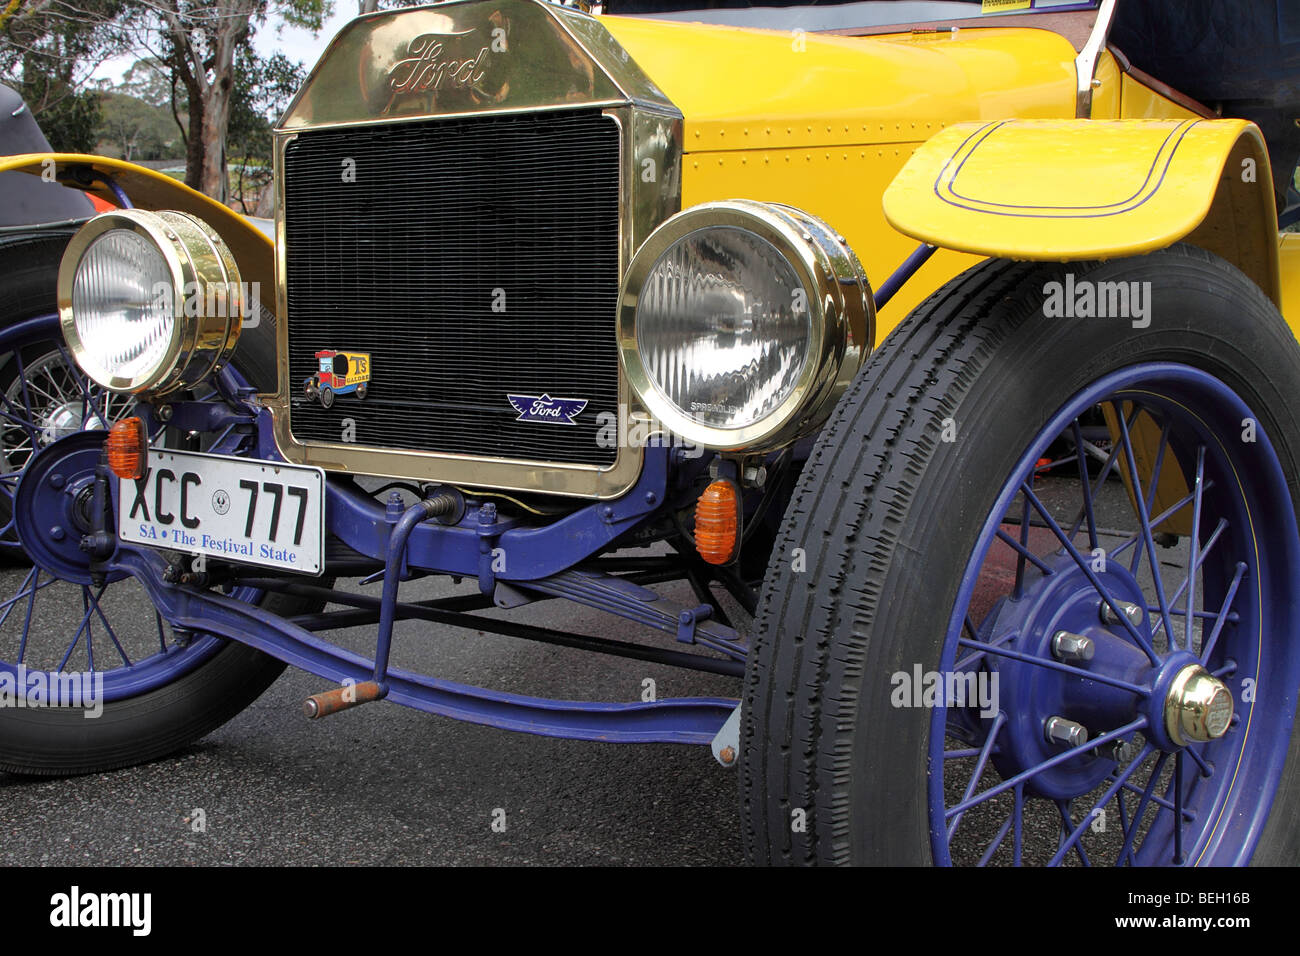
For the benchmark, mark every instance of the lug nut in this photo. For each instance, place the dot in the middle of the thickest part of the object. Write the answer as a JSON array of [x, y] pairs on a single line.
[[1067, 646], [1122, 751], [1070, 733], [1136, 615]]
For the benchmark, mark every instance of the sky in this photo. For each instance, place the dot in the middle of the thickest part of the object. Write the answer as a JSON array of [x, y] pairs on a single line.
[[294, 43]]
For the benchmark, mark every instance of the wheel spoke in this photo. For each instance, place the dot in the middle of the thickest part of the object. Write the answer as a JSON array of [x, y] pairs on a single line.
[[997, 840], [94, 600], [1111, 459], [53, 400], [1227, 670], [27, 619], [971, 659], [1126, 851], [1187, 581], [1205, 768], [1047, 764], [1199, 490], [1023, 551], [1123, 811], [90, 643], [84, 388], [1056, 665], [65, 376], [31, 386], [1178, 807], [76, 639], [1067, 824], [1086, 568], [980, 764], [1022, 548], [1144, 517], [1206, 615], [1018, 811], [28, 426], [1149, 497], [1159, 519], [1085, 484], [1208, 648], [22, 376], [1157, 800], [1112, 791], [23, 591]]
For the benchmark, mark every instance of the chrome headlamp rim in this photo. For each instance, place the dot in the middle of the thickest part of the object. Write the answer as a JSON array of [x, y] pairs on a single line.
[[197, 260], [841, 320]]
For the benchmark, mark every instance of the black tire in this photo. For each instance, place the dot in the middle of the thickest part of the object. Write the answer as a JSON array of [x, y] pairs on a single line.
[[58, 742], [361, 391], [326, 396], [818, 732], [52, 741]]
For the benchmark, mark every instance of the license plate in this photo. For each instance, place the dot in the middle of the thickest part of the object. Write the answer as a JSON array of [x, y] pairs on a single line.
[[251, 512]]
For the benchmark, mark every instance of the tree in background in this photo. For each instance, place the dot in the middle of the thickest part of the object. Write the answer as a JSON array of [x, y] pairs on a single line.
[[201, 40], [138, 129], [154, 82], [263, 87], [48, 50]]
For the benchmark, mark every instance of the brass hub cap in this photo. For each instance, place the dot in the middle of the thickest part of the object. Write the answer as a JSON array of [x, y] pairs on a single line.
[[1198, 707]]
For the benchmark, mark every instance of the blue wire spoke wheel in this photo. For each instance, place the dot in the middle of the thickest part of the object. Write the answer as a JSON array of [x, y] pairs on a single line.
[[91, 677], [43, 397], [1050, 606], [60, 633], [1122, 647]]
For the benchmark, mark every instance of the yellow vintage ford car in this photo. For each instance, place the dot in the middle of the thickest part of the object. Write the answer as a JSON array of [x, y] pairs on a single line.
[[917, 370]]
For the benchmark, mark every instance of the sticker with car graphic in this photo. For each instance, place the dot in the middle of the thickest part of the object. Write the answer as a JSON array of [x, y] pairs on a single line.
[[338, 373]]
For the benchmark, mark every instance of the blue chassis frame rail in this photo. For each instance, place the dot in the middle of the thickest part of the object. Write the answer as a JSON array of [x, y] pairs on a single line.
[[674, 720], [541, 559]]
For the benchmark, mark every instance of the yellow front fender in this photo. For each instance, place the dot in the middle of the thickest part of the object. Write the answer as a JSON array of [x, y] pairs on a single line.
[[147, 189], [1065, 190]]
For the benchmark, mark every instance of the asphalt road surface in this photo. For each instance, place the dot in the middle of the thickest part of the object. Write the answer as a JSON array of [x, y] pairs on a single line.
[[383, 784]]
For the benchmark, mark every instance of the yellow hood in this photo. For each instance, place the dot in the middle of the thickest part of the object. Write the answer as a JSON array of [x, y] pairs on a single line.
[[747, 89]]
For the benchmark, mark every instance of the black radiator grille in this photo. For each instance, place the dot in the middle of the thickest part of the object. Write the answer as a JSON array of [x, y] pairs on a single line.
[[472, 259]]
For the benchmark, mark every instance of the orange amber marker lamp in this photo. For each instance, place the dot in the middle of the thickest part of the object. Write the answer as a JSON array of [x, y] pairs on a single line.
[[128, 448], [717, 522]]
